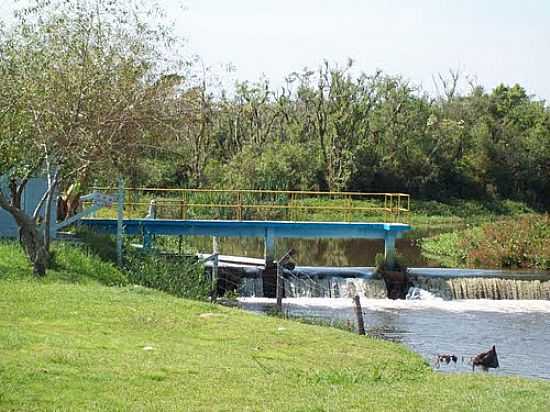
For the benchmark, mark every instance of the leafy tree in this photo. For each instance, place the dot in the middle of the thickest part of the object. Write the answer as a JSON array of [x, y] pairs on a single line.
[[78, 95]]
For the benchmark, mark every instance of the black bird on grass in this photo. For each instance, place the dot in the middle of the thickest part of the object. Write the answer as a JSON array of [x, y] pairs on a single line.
[[486, 360]]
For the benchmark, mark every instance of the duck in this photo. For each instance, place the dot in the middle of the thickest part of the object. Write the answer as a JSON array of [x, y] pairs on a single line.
[[486, 360], [445, 358]]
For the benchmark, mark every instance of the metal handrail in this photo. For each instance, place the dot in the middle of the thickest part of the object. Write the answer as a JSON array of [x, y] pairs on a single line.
[[386, 206]]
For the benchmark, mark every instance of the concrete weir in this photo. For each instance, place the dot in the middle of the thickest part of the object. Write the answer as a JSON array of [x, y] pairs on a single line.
[[268, 230]]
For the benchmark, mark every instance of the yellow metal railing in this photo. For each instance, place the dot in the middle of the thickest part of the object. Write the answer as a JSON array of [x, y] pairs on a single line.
[[264, 205]]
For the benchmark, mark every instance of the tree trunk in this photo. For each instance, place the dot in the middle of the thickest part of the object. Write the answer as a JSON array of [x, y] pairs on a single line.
[[35, 248], [52, 186], [33, 243]]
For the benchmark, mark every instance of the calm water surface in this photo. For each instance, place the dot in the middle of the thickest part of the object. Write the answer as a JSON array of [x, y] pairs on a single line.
[[318, 252]]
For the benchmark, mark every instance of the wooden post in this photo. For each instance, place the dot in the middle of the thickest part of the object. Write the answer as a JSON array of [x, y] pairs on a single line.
[[280, 287], [280, 290], [359, 315]]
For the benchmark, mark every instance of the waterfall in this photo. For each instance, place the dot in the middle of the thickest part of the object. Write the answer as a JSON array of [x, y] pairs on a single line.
[[251, 287], [485, 288], [319, 287], [334, 287], [447, 284]]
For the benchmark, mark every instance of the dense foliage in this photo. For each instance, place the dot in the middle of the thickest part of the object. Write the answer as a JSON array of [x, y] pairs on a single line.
[[95, 89], [511, 243], [92, 90], [334, 130], [177, 275]]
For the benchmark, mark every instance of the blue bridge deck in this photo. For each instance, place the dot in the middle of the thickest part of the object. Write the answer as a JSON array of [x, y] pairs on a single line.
[[235, 228]]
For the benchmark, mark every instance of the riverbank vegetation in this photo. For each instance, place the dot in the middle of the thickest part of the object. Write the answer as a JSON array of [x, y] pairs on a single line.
[[93, 261], [69, 342], [83, 84], [522, 242]]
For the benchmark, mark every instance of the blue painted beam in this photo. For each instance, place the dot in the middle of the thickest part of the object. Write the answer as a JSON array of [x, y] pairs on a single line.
[[233, 228]]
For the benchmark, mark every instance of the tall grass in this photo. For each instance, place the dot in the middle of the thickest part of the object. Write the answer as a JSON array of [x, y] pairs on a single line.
[[180, 276], [93, 260], [68, 263]]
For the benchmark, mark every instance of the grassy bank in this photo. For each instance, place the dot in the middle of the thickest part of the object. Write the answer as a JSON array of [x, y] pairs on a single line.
[[72, 343], [511, 243]]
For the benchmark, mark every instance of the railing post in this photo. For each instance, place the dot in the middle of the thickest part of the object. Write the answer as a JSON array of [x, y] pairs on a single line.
[[95, 189], [385, 207], [398, 206], [239, 206]]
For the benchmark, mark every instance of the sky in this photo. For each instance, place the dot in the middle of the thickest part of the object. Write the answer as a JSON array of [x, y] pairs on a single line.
[[490, 41]]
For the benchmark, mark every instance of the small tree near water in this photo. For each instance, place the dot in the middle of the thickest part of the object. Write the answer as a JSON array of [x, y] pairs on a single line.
[[79, 93]]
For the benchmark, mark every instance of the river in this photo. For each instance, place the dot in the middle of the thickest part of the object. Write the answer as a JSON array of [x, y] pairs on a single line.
[[520, 329], [445, 320]]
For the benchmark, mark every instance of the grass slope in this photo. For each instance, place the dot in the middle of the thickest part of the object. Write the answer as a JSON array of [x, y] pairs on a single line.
[[85, 346]]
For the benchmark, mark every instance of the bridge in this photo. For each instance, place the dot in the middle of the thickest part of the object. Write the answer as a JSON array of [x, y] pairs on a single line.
[[148, 212], [256, 213]]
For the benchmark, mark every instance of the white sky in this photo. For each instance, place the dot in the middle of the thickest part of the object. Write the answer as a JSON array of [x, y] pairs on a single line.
[[493, 40]]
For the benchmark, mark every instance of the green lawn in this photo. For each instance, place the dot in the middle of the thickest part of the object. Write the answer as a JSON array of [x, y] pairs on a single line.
[[72, 345]]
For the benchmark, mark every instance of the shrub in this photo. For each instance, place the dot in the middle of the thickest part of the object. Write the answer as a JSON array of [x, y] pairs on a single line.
[[180, 276], [513, 243], [73, 264], [100, 244]]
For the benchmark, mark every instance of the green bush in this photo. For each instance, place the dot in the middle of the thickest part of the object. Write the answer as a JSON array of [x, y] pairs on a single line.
[[102, 245], [74, 264], [277, 166], [180, 276], [513, 243], [183, 277]]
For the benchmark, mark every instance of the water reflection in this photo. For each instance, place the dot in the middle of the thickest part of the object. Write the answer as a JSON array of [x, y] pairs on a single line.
[[318, 252]]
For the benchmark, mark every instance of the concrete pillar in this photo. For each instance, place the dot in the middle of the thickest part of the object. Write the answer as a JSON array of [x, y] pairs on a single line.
[[389, 247], [269, 275], [269, 248], [147, 240]]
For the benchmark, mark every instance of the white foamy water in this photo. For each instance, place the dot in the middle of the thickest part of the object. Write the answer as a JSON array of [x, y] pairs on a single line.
[[427, 302], [429, 325]]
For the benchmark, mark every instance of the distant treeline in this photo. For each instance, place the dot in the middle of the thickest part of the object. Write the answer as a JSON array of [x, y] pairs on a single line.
[[89, 90], [332, 130]]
